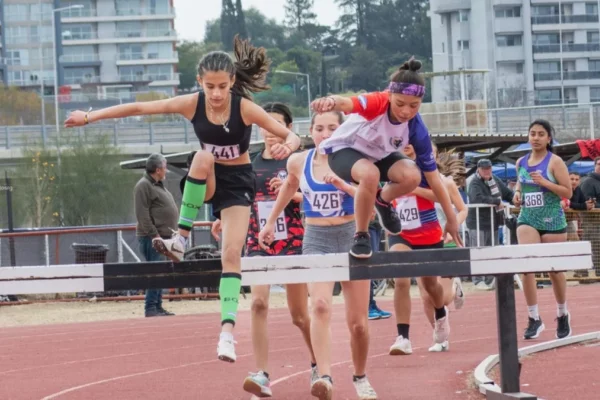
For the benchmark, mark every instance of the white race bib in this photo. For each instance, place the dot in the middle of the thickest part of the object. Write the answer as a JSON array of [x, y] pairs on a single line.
[[223, 152], [264, 210], [408, 212], [533, 200], [326, 202]]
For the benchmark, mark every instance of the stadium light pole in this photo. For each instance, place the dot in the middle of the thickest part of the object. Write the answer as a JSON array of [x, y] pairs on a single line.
[[54, 11], [278, 71]]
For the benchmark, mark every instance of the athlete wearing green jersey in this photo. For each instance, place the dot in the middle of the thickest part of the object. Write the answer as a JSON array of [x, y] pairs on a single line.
[[542, 180]]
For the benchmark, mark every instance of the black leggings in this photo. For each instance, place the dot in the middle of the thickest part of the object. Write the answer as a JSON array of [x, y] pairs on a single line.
[[342, 161]]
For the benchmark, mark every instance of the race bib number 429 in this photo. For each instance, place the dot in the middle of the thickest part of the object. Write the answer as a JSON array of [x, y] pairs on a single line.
[[223, 152], [533, 200], [408, 211]]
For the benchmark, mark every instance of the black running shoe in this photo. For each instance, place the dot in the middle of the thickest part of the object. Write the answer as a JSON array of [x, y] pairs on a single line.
[[388, 218], [534, 328], [362, 245], [563, 326]]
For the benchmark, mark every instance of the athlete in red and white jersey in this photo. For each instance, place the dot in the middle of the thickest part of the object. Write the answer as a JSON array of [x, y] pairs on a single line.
[[367, 149], [422, 230]]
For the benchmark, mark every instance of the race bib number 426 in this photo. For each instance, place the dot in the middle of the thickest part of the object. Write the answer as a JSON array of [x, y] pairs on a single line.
[[264, 210], [533, 200], [223, 152], [326, 202]]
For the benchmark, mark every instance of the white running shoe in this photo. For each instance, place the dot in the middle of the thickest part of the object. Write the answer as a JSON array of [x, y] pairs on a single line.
[[173, 248], [258, 384], [459, 294], [314, 374], [364, 389], [226, 348], [440, 347], [401, 347], [441, 330], [322, 389]]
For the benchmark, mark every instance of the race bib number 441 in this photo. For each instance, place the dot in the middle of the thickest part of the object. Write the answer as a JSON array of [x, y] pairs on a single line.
[[409, 213], [533, 200], [223, 152], [264, 210]]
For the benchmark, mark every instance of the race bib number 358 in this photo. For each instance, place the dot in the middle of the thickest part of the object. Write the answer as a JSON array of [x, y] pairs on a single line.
[[223, 152], [533, 200]]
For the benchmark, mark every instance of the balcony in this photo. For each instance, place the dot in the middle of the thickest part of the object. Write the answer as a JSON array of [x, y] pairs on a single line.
[[445, 6], [139, 14], [508, 25], [567, 75], [566, 19], [80, 60], [146, 58], [569, 50], [81, 80], [140, 36], [150, 79], [547, 102], [510, 53]]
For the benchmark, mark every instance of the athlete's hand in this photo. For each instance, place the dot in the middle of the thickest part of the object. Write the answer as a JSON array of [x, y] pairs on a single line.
[[280, 151], [517, 199], [335, 180], [448, 239], [275, 185], [323, 104], [266, 236], [215, 230], [538, 179], [452, 229], [76, 118]]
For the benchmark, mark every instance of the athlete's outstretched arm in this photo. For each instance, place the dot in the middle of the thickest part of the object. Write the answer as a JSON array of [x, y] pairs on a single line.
[[254, 114], [288, 190], [333, 103], [184, 105]]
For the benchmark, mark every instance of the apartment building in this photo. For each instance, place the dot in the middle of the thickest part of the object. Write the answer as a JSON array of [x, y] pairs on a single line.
[[537, 51], [107, 48]]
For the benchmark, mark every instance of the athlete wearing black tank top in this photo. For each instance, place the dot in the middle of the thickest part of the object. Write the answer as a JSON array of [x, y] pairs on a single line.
[[220, 173]]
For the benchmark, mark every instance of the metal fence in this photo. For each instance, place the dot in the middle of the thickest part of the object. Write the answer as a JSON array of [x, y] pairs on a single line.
[[577, 121]]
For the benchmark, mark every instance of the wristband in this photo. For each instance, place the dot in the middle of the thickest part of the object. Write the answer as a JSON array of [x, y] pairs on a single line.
[[86, 117]]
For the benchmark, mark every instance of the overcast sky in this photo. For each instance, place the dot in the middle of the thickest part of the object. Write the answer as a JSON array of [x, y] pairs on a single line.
[[192, 15]]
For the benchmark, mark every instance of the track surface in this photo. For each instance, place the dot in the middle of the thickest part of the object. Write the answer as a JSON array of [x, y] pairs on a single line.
[[175, 357]]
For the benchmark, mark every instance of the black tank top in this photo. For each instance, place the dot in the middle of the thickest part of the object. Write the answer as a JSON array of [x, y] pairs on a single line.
[[214, 138]]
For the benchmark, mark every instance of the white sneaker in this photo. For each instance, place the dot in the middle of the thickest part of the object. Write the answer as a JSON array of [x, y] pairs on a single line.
[[401, 347], [322, 389], [364, 389], [314, 374], [441, 330], [226, 348], [440, 347], [459, 294], [173, 248]]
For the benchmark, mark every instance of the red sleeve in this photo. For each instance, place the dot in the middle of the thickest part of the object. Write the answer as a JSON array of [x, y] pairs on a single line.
[[370, 105]]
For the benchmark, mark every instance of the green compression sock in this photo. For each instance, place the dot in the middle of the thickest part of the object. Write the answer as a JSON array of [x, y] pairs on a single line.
[[229, 292], [193, 198]]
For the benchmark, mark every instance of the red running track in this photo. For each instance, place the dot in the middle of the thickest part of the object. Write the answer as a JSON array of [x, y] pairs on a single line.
[[175, 357]]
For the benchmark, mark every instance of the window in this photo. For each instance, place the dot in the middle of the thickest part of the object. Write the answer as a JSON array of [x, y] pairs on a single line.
[[77, 31], [160, 72], [519, 68], [591, 9], [443, 47], [463, 45], [17, 57], [509, 40], [547, 66], [512, 12], [595, 93], [463, 16], [544, 10], [592, 37], [79, 75], [545, 38], [548, 96], [129, 29], [594, 65]]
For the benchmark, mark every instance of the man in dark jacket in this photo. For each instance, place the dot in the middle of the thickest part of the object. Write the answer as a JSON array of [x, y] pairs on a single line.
[[485, 188], [578, 201], [590, 187]]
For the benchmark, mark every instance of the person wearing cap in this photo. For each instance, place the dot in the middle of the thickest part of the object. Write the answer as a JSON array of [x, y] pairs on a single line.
[[157, 215], [486, 188]]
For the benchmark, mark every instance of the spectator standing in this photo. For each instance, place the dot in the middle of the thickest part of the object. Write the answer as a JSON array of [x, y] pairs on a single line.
[[486, 188], [157, 216]]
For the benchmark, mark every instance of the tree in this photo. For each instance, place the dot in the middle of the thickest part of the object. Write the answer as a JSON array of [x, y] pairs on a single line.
[[240, 20], [353, 23], [93, 188], [298, 13], [228, 24], [190, 54], [35, 187], [21, 107]]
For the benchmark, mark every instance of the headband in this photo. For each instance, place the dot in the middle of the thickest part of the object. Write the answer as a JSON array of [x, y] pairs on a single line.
[[410, 89]]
